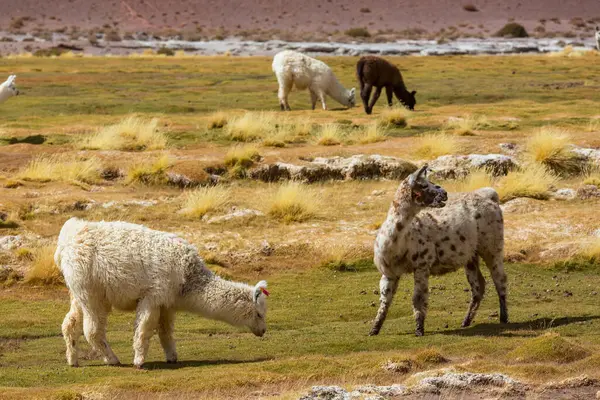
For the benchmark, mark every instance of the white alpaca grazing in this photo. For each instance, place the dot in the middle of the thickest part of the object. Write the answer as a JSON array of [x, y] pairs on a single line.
[[598, 38], [131, 267], [8, 89], [304, 72]]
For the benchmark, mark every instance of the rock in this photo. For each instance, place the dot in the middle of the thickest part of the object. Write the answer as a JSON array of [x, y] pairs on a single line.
[[509, 148], [121, 204], [522, 205], [385, 391], [587, 154], [242, 213], [596, 233], [588, 192], [10, 242], [564, 194], [466, 380], [266, 248], [358, 167], [402, 366], [457, 167], [326, 393], [184, 181], [575, 382]]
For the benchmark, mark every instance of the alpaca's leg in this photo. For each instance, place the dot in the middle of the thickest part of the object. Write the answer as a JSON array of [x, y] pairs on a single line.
[[321, 95], [145, 323], [284, 90], [496, 266], [95, 315], [375, 98], [72, 328], [421, 298], [313, 98], [390, 95], [477, 283], [166, 324], [365, 94], [387, 290]]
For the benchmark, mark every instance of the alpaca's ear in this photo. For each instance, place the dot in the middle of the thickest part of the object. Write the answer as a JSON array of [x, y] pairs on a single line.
[[415, 176], [260, 288], [352, 91]]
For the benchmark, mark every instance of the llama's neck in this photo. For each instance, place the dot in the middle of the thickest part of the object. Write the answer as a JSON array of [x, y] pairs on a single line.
[[399, 218], [338, 92], [212, 297]]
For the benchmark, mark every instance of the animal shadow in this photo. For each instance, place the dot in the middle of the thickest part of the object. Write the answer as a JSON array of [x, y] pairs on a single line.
[[33, 139], [198, 363], [511, 329]]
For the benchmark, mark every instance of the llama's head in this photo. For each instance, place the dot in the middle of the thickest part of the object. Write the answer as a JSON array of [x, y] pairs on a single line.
[[8, 88], [409, 100], [425, 193], [257, 322], [352, 98]]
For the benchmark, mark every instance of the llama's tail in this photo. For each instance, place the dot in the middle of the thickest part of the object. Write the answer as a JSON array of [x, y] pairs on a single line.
[[488, 193], [359, 69]]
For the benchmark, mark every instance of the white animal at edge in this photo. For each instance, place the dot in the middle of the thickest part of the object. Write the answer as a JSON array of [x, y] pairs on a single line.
[[304, 72], [8, 89]]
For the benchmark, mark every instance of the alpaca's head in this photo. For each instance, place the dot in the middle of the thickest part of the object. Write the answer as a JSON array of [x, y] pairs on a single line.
[[425, 193], [352, 98], [256, 319], [8, 88], [409, 100]]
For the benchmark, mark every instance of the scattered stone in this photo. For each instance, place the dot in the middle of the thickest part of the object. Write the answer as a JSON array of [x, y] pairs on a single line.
[[457, 167], [326, 393], [10, 242], [575, 382], [522, 205], [242, 213], [588, 192], [402, 366], [465, 380], [386, 391], [358, 167], [587, 154], [564, 194], [509, 148], [266, 249], [377, 192], [121, 204]]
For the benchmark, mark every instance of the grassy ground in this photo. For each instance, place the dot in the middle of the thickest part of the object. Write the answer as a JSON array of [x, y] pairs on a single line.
[[318, 318]]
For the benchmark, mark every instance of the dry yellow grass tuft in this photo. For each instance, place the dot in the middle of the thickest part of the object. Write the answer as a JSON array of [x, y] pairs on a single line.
[[293, 202], [371, 133], [467, 125], [240, 158], [394, 116], [433, 145], [131, 134], [197, 203], [61, 168], [42, 269], [593, 125], [150, 172], [217, 120], [532, 181], [250, 126], [330, 135], [550, 147]]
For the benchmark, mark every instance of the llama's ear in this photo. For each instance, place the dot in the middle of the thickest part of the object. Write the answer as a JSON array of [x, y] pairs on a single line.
[[352, 91], [415, 176], [413, 92], [260, 288]]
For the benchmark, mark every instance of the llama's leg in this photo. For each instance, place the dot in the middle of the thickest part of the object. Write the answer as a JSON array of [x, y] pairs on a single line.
[[477, 283], [95, 315], [375, 98], [421, 298], [72, 328], [284, 90], [145, 323], [321, 95], [313, 99], [387, 290], [389, 94], [166, 324], [365, 94], [496, 266]]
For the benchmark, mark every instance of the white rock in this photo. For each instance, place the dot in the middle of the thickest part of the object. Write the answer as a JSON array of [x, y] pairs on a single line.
[[10, 242], [564, 194], [242, 213]]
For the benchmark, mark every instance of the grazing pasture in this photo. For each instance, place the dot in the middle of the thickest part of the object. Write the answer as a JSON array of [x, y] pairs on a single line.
[[175, 143]]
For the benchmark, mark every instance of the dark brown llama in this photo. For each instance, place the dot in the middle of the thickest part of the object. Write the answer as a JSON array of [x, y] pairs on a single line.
[[378, 73]]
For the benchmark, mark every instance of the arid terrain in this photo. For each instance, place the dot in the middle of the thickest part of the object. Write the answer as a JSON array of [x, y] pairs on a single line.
[[196, 146]]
